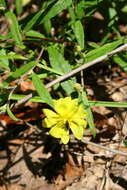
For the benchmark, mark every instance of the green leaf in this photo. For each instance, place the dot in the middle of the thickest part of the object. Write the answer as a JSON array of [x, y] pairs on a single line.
[[80, 10], [59, 64], [19, 5], [14, 27], [20, 71], [41, 90], [79, 33], [125, 142], [45, 15], [72, 14], [124, 9], [90, 120], [121, 60], [2, 5], [4, 63], [48, 27], [112, 16], [25, 68], [12, 116], [33, 21], [33, 33], [3, 108], [49, 69], [3, 98], [108, 104], [12, 55], [56, 9], [88, 4], [102, 50]]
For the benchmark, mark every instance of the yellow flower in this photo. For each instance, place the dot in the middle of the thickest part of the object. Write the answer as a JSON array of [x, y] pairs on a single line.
[[67, 114]]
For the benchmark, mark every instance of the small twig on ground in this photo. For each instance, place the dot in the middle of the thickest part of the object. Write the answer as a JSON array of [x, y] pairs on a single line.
[[105, 148]]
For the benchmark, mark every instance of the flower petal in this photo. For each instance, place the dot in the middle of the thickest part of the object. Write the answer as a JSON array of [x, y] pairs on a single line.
[[66, 106], [60, 132], [81, 111], [51, 118], [48, 122], [79, 122], [49, 113], [67, 111], [65, 139], [77, 130], [80, 114], [56, 132]]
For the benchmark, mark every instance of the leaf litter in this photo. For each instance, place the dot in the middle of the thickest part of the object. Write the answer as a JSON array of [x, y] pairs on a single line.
[[31, 160]]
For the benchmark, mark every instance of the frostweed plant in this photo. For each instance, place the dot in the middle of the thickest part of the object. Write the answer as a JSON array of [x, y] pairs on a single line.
[[67, 114]]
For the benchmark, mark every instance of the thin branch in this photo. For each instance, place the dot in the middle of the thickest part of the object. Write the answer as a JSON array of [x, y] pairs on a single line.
[[40, 54], [71, 73], [105, 148], [23, 100], [82, 79], [86, 65], [60, 41]]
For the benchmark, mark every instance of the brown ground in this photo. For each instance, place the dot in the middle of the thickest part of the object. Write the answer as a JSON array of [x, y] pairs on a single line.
[[32, 160]]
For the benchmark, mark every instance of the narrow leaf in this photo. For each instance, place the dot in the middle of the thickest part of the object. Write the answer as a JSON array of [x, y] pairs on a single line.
[[79, 33], [90, 102], [49, 69], [59, 64], [12, 56], [108, 104], [33, 33], [19, 72], [14, 27], [12, 116], [4, 63], [90, 119], [102, 50], [56, 8], [25, 68], [121, 60], [41, 90], [19, 5], [33, 21], [45, 15]]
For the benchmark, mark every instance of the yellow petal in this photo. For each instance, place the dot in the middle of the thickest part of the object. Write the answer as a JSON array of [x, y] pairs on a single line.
[[81, 111], [65, 139], [77, 130], [49, 113], [59, 132], [66, 106], [49, 122], [51, 118], [79, 122], [56, 132]]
